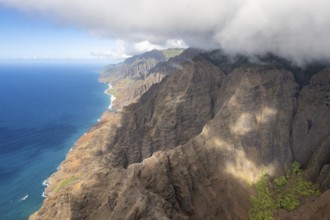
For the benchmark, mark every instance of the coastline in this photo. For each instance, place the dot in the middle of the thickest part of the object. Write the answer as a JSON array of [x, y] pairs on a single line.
[[103, 117], [74, 175], [112, 97], [37, 139], [48, 183], [73, 172]]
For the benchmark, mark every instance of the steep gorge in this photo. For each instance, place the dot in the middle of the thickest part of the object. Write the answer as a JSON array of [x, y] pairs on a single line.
[[191, 146]]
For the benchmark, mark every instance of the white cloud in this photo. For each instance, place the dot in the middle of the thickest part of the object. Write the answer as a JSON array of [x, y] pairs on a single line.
[[117, 53], [145, 46], [297, 29], [122, 49]]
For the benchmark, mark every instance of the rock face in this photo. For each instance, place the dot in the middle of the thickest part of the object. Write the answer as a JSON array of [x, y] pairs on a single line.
[[135, 67], [136, 75], [191, 146], [311, 134]]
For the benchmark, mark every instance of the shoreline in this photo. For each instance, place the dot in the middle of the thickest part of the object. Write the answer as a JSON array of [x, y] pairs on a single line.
[[112, 97], [46, 182]]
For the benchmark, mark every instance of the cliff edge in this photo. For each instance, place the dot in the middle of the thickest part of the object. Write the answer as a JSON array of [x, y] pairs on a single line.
[[195, 141]]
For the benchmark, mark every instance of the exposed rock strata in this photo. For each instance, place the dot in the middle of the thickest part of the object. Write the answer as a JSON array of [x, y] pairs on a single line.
[[192, 144], [311, 127], [136, 75]]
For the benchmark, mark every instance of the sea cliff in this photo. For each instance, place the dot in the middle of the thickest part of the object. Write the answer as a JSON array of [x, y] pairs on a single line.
[[190, 137]]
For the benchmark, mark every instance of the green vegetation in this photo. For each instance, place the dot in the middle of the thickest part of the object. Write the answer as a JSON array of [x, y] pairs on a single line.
[[63, 183], [296, 168], [284, 192], [172, 52], [120, 85], [262, 202], [112, 91]]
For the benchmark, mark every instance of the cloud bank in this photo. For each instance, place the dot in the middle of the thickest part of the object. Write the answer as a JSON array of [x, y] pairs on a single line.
[[296, 29]]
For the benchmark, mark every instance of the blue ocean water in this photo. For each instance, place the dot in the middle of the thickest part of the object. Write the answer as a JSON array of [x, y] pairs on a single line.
[[44, 109]]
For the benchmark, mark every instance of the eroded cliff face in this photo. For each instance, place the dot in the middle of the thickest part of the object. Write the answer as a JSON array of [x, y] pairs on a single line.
[[311, 140], [136, 75], [192, 145]]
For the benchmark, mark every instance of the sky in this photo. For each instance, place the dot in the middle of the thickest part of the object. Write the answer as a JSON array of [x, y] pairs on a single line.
[[25, 35], [295, 29]]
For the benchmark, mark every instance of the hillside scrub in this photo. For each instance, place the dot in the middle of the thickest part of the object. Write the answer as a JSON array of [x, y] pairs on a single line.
[[64, 183], [283, 192]]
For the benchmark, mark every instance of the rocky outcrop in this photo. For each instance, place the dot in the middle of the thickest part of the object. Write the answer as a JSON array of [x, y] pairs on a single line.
[[135, 67], [173, 64], [157, 122], [311, 133], [137, 74], [192, 145]]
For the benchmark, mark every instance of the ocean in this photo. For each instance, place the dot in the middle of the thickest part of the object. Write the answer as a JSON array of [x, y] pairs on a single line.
[[44, 109]]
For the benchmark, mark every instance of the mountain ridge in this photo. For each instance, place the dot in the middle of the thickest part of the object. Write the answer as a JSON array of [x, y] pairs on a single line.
[[192, 143]]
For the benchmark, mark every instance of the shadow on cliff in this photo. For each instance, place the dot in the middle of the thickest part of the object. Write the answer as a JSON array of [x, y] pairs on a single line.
[[206, 178], [190, 148], [210, 176], [248, 133]]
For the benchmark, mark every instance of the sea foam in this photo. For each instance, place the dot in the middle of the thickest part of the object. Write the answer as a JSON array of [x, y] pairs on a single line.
[[112, 97], [24, 197]]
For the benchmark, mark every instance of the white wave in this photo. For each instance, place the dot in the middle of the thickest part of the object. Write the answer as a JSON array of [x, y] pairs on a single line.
[[44, 194], [24, 197], [109, 87], [45, 183], [110, 106], [112, 97]]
